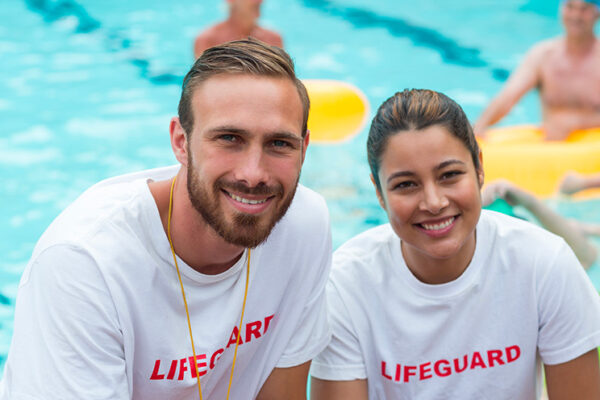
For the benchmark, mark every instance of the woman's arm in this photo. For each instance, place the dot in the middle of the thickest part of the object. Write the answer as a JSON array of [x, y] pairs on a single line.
[[286, 383], [576, 379], [338, 390]]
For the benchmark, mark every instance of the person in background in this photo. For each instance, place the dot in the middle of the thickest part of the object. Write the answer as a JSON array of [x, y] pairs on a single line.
[[574, 232], [449, 301], [241, 23], [566, 72], [573, 183], [202, 279]]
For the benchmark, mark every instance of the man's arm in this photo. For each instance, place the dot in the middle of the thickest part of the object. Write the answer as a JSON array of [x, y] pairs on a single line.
[[338, 390], [575, 379], [286, 383], [522, 80], [65, 320]]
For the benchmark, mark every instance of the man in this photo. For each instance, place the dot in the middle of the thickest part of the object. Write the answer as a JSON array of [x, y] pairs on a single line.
[[101, 312], [241, 23], [566, 71]]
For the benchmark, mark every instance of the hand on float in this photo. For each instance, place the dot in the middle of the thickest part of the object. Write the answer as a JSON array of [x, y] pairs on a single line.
[[571, 183], [506, 190]]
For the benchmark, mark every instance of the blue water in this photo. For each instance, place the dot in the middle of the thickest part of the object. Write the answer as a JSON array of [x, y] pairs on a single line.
[[87, 89]]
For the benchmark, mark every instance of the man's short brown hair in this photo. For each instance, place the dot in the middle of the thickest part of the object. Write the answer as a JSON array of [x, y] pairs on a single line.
[[249, 56]]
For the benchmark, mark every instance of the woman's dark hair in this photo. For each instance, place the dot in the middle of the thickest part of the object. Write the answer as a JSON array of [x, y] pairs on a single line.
[[414, 110]]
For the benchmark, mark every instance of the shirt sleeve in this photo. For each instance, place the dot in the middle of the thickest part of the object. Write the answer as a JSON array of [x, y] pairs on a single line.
[[342, 360], [569, 310], [313, 331], [67, 343]]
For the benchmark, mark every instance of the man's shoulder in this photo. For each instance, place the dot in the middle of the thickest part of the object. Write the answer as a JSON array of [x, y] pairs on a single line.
[[369, 245], [106, 205], [546, 48], [269, 36], [307, 204], [307, 216], [213, 35]]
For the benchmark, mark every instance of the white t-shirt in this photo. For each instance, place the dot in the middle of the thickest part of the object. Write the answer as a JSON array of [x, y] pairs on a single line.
[[100, 315], [523, 300]]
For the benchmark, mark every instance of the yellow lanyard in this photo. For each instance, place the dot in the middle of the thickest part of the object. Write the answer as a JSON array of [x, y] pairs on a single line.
[[187, 313]]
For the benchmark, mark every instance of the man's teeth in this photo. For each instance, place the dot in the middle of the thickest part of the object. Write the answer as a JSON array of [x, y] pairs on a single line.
[[437, 227], [246, 201]]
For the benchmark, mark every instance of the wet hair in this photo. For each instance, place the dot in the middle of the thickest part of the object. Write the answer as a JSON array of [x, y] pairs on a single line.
[[248, 56], [414, 110]]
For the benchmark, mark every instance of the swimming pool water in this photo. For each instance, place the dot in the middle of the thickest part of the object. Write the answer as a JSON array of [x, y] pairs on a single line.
[[87, 89]]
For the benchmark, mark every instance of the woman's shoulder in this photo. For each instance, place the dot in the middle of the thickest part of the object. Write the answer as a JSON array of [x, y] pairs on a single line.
[[366, 252], [368, 241], [517, 244], [513, 229]]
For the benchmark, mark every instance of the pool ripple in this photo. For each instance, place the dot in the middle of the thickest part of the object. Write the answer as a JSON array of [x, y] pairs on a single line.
[[450, 50]]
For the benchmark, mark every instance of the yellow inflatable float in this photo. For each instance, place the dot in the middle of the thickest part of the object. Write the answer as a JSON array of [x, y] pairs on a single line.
[[521, 155], [338, 110]]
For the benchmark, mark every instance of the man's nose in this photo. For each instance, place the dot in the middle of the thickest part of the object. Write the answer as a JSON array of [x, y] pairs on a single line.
[[252, 168]]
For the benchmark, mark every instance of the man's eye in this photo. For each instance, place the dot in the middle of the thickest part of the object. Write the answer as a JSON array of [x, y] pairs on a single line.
[[281, 143], [228, 138]]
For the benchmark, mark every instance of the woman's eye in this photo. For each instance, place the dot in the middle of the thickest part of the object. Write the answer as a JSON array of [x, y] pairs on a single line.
[[404, 185], [451, 174]]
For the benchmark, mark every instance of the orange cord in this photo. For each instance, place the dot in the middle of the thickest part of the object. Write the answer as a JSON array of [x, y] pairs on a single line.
[[187, 313]]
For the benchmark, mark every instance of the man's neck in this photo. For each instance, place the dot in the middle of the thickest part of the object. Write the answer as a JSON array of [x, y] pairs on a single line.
[[580, 45], [196, 243], [242, 24]]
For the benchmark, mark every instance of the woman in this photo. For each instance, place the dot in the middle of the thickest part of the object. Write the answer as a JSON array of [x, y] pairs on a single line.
[[447, 301]]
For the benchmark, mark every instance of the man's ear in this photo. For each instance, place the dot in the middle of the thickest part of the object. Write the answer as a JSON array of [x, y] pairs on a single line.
[[378, 193], [305, 142], [178, 141]]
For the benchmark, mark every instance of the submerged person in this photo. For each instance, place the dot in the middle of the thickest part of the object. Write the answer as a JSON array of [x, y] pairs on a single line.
[[574, 232], [241, 23], [169, 282], [448, 301], [565, 70]]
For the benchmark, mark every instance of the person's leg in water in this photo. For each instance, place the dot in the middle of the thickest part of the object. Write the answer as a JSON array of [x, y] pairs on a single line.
[[574, 232]]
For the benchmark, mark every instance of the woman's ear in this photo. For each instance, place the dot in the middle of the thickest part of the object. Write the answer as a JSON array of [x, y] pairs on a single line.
[[480, 173], [378, 193]]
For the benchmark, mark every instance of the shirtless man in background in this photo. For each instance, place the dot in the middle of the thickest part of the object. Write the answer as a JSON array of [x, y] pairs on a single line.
[[241, 24], [565, 70]]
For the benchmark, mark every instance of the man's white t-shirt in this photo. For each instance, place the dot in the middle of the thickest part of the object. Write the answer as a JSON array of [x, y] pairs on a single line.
[[523, 300], [100, 314]]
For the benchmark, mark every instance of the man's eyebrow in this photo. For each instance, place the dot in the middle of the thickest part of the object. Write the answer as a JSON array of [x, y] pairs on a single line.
[[285, 135], [270, 136], [228, 129]]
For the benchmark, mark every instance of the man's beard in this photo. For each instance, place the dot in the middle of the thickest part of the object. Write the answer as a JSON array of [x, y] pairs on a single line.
[[244, 230]]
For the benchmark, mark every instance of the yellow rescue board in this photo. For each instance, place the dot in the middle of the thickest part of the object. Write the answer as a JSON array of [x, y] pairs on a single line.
[[338, 110], [521, 155]]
